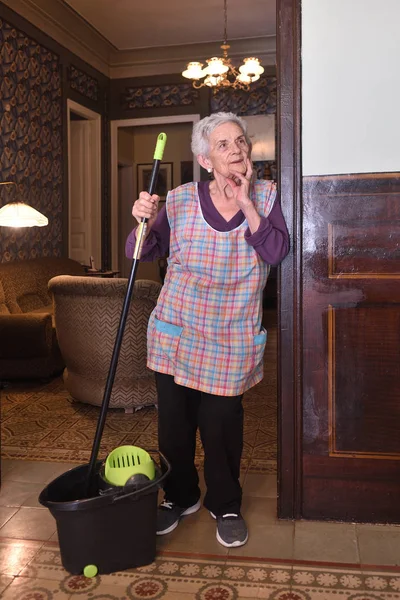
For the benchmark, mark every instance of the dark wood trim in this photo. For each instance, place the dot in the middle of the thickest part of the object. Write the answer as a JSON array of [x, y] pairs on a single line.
[[289, 299], [352, 184]]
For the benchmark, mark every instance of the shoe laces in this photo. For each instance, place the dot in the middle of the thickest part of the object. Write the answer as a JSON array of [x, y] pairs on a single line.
[[166, 504], [230, 515]]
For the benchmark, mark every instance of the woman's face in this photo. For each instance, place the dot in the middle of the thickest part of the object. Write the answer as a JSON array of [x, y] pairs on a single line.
[[228, 150]]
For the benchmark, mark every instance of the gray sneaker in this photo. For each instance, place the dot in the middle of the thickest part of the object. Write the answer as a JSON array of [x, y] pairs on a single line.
[[231, 530], [169, 514]]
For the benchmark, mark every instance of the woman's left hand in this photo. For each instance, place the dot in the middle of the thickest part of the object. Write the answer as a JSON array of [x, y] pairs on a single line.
[[240, 185]]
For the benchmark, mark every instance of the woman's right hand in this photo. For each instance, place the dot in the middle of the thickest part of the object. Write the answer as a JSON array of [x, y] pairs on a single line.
[[146, 207]]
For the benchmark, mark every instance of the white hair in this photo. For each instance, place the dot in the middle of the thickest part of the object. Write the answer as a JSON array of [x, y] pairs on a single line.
[[202, 130]]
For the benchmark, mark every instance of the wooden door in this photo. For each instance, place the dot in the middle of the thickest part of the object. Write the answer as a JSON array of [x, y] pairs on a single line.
[[351, 347]]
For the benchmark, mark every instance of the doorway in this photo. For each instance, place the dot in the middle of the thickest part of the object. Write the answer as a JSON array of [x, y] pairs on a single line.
[[260, 443], [122, 224], [84, 184]]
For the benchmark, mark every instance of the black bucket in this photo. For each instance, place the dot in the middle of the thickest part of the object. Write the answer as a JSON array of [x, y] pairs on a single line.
[[113, 531]]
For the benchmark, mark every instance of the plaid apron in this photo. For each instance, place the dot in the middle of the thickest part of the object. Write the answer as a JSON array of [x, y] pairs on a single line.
[[206, 328]]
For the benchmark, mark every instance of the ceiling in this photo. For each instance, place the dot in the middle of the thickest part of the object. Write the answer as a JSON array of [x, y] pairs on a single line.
[[135, 38], [133, 24]]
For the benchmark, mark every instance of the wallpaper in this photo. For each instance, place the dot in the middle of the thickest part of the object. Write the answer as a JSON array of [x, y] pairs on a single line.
[[30, 141], [261, 99], [159, 96], [83, 84]]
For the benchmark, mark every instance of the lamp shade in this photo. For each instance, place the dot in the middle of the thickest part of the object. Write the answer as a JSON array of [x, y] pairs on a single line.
[[251, 67], [215, 67], [246, 79], [194, 70], [18, 214]]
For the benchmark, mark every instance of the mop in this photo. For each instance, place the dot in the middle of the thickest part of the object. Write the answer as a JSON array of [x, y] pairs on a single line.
[[91, 486]]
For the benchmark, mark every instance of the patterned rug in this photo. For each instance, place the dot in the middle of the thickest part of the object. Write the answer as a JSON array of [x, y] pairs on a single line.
[[42, 422], [175, 577]]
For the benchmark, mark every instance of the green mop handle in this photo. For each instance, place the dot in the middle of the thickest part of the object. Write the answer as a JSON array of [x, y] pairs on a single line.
[[142, 227], [140, 235]]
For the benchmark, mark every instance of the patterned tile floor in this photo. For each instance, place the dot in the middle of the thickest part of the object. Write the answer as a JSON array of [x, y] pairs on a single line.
[[177, 577], [281, 561]]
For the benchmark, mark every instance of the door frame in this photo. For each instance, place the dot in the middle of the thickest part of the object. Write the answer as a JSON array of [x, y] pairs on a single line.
[[115, 125], [96, 171], [289, 273], [290, 278], [131, 166]]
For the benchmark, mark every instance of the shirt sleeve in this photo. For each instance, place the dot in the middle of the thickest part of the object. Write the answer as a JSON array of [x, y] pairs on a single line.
[[156, 244], [271, 240]]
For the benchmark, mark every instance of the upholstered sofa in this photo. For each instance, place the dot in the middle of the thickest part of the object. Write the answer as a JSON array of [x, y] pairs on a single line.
[[28, 343], [87, 312]]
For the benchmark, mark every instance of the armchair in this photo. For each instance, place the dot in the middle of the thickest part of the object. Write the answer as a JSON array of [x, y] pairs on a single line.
[[87, 312]]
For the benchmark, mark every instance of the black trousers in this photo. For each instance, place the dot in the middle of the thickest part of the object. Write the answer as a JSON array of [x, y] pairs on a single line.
[[181, 411]]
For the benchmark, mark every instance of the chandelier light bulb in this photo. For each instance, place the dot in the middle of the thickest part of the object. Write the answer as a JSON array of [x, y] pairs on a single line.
[[251, 67], [212, 81], [247, 79], [194, 70], [244, 79], [216, 66]]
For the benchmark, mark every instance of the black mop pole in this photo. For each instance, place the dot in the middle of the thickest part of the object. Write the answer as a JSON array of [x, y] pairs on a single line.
[[140, 236]]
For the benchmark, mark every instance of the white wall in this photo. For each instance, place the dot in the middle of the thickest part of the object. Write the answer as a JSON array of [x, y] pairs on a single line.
[[351, 86]]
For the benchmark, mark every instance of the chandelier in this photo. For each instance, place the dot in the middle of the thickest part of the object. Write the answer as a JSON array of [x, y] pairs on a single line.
[[220, 72]]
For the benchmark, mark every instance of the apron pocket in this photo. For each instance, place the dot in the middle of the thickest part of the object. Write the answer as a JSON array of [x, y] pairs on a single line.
[[259, 346], [168, 337]]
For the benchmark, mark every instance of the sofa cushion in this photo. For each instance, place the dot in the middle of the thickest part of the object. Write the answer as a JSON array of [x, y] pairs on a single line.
[[4, 310], [48, 310], [26, 287], [6, 278], [30, 302]]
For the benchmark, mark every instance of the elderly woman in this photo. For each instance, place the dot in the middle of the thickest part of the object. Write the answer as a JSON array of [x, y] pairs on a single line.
[[205, 339]]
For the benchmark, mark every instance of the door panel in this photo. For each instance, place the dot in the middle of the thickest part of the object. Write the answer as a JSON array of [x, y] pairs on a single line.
[[80, 222], [84, 178], [363, 363], [351, 341]]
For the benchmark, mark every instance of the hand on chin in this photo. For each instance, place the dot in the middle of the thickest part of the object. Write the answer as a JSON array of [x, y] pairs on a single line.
[[235, 179], [233, 174]]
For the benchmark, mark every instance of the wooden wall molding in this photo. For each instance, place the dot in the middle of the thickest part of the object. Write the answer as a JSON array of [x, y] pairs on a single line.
[[65, 26]]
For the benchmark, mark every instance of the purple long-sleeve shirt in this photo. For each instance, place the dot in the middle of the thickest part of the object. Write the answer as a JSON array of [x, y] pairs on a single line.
[[271, 240]]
